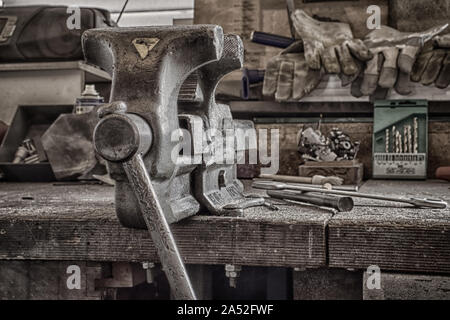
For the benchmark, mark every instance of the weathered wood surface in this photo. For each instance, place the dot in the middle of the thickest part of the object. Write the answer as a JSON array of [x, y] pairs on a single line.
[[77, 222], [48, 222], [397, 286], [391, 235]]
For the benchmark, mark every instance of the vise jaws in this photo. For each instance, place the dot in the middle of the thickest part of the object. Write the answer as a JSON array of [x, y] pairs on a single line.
[[136, 132]]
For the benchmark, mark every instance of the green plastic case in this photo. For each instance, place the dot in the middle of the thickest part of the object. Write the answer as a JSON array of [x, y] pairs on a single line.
[[400, 139]]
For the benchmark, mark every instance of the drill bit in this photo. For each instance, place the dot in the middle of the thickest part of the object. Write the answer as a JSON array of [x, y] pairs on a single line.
[[400, 144], [386, 138], [416, 138], [409, 139], [394, 140], [405, 139]]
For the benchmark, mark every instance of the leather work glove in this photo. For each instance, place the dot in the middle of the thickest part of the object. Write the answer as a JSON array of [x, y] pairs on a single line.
[[329, 44], [287, 75], [433, 64], [394, 54]]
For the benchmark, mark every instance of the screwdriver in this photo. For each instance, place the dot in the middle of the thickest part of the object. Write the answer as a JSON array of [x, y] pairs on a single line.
[[417, 202]]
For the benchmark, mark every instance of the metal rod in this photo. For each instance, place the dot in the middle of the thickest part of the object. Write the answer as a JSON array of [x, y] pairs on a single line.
[[318, 186], [342, 188], [290, 6], [159, 229], [342, 204]]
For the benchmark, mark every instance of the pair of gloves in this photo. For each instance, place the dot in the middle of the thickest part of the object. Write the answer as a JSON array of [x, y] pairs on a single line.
[[385, 59]]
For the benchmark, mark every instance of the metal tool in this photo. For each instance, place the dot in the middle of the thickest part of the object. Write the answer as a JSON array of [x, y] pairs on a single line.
[[316, 179], [326, 185], [417, 202], [313, 145], [136, 132], [342, 204], [416, 135], [290, 6]]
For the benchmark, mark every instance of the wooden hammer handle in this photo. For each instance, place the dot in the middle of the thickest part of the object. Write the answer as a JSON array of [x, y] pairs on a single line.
[[281, 178]]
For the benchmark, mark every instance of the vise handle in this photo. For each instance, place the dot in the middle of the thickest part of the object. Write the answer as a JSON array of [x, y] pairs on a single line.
[[123, 138]]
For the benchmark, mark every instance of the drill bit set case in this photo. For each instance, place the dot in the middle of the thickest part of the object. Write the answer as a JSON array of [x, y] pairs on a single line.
[[22, 157], [400, 139]]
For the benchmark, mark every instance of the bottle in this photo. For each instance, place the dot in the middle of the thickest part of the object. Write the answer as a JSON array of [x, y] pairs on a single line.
[[88, 101]]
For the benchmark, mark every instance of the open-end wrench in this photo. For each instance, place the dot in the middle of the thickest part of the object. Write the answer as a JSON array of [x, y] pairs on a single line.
[[417, 202]]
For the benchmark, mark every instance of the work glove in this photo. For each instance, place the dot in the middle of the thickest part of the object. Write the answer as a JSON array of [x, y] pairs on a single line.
[[394, 54], [287, 75], [433, 64], [329, 44]]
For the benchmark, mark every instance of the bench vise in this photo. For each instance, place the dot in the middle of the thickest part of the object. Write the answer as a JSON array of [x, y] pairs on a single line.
[[140, 130]]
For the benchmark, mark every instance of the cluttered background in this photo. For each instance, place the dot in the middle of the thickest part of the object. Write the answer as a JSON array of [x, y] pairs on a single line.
[[47, 90]]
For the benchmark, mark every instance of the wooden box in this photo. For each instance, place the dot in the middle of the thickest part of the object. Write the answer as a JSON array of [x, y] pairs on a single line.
[[351, 171]]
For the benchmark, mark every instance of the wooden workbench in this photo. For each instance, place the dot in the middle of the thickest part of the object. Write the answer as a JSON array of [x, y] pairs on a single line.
[[77, 222]]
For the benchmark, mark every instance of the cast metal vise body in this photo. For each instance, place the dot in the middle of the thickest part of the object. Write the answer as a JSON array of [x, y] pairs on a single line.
[[149, 66], [136, 132]]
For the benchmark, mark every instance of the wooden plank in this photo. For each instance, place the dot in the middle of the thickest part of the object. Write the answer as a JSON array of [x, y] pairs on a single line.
[[94, 73], [390, 235], [112, 5], [258, 109], [78, 223], [395, 286], [350, 171]]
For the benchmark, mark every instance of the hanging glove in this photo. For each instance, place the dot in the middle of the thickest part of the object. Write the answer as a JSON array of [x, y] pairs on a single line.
[[394, 54], [433, 64], [287, 75], [329, 44]]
